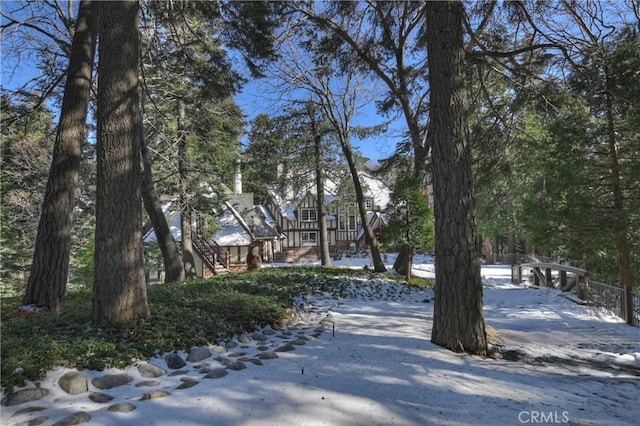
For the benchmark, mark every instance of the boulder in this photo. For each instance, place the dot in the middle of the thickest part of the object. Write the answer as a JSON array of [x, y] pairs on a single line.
[[111, 381], [199, 353], [149, 370], [154, 395], [74, 419], [124, 407], [174, 361], [100, 398], [24, 395], [73, 383]]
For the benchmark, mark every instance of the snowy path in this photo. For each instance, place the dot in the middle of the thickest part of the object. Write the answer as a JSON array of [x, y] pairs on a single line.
[[576, 365]]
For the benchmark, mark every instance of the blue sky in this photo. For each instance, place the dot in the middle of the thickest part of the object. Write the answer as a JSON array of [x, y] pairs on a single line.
[[258, 97]]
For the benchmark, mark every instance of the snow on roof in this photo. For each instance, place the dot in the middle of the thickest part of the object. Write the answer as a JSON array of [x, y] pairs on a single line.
[[288, 201], [173, 220], [231, 232], [376, 189]]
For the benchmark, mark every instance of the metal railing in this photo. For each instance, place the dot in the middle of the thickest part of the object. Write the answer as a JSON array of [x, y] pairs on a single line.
[[612, 298], [599, 294]]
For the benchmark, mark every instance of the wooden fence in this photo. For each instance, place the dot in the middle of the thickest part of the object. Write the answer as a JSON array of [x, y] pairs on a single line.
[[568, 278]]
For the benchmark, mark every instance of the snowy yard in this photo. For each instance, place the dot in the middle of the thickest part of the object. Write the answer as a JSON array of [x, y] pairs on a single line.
[[374, 364]]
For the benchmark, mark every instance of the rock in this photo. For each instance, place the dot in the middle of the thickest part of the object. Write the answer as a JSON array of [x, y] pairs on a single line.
[[187, 383], [74, 419], [244, 339], [100, 398], [147, 383], [268, 355], [219, 349], [268, 332], [262, 348], [198, 354], [28, 410], [236, 354], [111, 381], [199, 366], [73, 383], [33, 422], [224, 361], [216, 373], [177, 373], [24, 395], [230, 345], [150, 370], [297, 342], [174, 361], [238, 365], [285, 348], [154, 395], [259, 337], [123, 407], [255, 361], [493, 337]]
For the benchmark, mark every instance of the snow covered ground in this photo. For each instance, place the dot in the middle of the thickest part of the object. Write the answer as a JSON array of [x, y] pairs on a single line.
[[374, 364]]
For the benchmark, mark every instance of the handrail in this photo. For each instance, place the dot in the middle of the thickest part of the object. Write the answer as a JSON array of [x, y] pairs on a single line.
[[210, 250], [558, 266]]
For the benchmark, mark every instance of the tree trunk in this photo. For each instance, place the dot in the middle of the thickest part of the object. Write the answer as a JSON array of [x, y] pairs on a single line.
[[621, 222], [185, 211], [458, 323], [173, 266], [325, 257], [47, 283], [372, 241], [490, 256], [119, 290]]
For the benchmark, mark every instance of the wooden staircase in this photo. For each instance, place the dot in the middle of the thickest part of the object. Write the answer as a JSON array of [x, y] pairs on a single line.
[[212, 254]]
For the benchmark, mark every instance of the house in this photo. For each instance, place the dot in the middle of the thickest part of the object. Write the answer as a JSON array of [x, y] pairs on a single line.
[[285, 229], [297, 219], [241, 227]]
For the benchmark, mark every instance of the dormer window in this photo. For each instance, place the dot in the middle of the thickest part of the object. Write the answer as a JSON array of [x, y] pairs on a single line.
[[368, 203]]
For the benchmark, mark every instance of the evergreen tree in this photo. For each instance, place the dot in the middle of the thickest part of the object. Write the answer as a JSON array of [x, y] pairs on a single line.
[[119, 288], [26, 145], [410, 223], [50, 268], [458, 323]]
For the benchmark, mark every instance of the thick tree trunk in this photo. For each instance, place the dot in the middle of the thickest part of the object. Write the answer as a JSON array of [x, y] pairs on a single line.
[[47, 283], [458, 323], [173, 266], [119, 290], [325, 257], [185, 211]]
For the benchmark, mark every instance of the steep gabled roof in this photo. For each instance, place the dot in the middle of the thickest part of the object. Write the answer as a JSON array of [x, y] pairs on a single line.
[[289, 200], [242, 222]]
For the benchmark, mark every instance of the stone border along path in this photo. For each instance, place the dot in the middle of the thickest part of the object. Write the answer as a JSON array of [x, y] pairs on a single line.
[[309, 321]]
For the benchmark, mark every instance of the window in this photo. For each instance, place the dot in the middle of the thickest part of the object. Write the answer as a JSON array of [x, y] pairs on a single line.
[[348, 222], [308, 215], [309, 238], [368, 204], [352, 222]]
